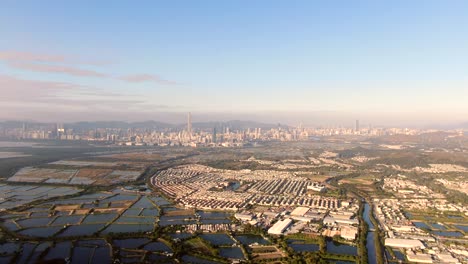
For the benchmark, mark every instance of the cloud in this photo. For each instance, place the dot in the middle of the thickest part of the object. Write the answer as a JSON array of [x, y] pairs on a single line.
[[14, 89], [34, 96], [27, 56], [106, 94], [37, 67], [20, 56], [48, 63], [139, 78], [67, 65]]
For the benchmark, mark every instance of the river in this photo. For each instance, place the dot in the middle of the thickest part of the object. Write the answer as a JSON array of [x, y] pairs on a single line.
[[371, 254]]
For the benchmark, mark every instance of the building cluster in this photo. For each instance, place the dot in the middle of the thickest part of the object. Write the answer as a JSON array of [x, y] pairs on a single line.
[[291, 202], [315, 201], [306, 164], [404, 188], [290, 186], [420, 245], [42, 131], [197, 186], [210, 227], [422, 197], [288, 220], [422, 238], [458, 184], [389, 214], [343, 223], [307, 214], [188, 135]]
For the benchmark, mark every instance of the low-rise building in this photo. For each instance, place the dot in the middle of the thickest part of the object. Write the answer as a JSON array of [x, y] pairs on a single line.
[[419, 258], [300, 211], [404, 243], [243, 217], [349, 232], [317, 187], [279, 227], [447, 258]]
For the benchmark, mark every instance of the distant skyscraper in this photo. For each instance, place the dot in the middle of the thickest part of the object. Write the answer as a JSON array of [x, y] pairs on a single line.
[[357, 125], [23, 134], [214, 135], [189, 123], [60, 130]]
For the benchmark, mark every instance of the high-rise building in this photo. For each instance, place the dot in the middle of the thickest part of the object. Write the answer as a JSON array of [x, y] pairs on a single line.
[[357, 125], [213, 139], [23, 131], [60, 130], [189, 124]]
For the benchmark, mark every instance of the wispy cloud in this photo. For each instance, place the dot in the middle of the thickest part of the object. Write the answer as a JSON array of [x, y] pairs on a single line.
[[21, 56], [30, 57], [69, 65], [140, 78], [61, 96], [39, 67], [15, 89]]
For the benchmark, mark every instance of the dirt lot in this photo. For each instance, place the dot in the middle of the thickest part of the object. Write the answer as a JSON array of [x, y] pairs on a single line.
[[135, 156], [272, 252], [180, 212], [267, 256], [93, 173]]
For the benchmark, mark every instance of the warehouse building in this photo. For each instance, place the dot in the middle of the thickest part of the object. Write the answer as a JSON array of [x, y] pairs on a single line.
[[404, 243], [279, 227]]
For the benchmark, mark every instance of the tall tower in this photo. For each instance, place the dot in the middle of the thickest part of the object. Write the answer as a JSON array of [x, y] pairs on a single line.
[[60, 130], [357, 125], [213, 138], [23, 131], [189, 124]]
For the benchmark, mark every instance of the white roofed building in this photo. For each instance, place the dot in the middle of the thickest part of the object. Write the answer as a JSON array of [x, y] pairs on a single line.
[[404, 243], [279, 227]]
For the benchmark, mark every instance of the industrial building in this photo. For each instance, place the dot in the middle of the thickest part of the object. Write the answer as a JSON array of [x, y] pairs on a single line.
[[317, 187], [279, 227], [404, 243], [349, 232], [300, 211], [243, 217], [419, 257]]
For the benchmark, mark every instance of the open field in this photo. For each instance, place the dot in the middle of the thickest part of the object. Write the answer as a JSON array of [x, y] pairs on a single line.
[[266, 252], [143, 156], [78, 173], [180, 212], [201, 246], [7, 155]]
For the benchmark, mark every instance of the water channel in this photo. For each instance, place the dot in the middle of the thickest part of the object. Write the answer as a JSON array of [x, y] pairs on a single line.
[[371, 254]]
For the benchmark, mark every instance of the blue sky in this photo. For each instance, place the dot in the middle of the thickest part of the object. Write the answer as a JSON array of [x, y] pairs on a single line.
[[127, 59]]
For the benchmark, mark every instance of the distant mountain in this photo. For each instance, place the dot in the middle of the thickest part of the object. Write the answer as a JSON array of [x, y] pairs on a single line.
[[236, 125], [19, 124], [118, 124], [233, 125]]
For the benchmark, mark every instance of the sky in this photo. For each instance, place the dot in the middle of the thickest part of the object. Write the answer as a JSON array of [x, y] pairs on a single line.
[[319, 62]]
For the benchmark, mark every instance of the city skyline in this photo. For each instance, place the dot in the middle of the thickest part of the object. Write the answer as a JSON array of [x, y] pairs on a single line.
[[293, 119], [398, 63], [243, 132], [207, 134]]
